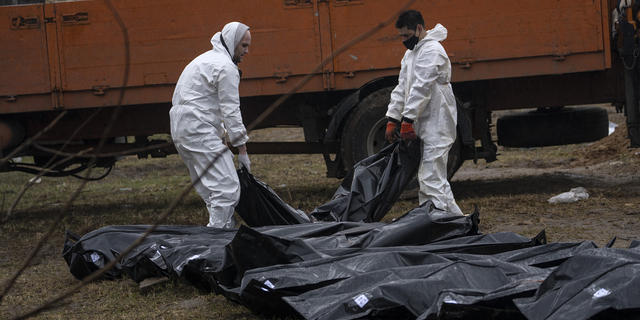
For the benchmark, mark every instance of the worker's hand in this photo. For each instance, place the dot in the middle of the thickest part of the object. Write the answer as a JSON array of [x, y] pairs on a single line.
[[390, 134], [244, 161], [406, 132]]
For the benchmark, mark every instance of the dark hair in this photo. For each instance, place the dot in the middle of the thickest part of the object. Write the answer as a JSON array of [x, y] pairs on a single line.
[[410, 19]]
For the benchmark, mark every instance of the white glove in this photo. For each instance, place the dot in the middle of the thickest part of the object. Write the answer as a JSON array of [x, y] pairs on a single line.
[[245, 162]]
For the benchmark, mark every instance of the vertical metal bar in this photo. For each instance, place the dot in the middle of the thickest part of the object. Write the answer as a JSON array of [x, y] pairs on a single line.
[[326, 43], [55, 76]]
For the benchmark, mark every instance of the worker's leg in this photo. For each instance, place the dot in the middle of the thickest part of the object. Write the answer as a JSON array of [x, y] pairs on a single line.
[[432, 176], [219, 187]]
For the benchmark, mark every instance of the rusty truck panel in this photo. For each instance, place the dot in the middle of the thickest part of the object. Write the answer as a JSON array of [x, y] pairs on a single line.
[[23, 48], [505, 55], [490, 39], [165, 35]]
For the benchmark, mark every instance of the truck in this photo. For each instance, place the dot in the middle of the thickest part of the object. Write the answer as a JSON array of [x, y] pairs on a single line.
[[66, 67]]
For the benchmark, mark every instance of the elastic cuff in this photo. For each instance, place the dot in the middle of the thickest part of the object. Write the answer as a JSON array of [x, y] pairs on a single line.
[[406, 127], [393, 120], [407, 120]]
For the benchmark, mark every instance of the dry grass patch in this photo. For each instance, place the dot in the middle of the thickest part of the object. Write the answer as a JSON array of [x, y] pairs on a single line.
[[511, 195]]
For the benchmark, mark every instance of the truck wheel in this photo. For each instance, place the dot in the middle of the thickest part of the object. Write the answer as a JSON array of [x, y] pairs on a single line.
[[552, 127], [363, 136], [363, 133]]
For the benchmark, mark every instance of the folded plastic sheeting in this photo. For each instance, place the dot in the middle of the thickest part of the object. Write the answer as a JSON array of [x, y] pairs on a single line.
[[604, 282], [425, 265], [260, 206], [385, 292], [252, 248], [366, 194], [374, 184], [195, 254]]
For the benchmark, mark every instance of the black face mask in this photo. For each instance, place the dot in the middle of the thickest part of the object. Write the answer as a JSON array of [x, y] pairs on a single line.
[[411, 42]]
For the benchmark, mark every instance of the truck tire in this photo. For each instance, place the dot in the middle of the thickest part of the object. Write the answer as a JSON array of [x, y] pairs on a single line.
[[363, 136], [363, 132], [552, 127]]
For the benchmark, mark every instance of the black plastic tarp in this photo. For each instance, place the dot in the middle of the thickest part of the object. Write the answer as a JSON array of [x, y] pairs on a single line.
[[366, 194], [414, 228], [260, 206], [427, 264], [191, 253], [329, 271], [485, 304], [206, 257], [592, 282], [374, 184], [408, 291], [263, 284]]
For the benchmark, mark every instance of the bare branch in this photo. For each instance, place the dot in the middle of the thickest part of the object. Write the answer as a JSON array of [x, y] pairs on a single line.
[[98, 273], [187, 188], [26, 186], [31, 182], [9, 283]]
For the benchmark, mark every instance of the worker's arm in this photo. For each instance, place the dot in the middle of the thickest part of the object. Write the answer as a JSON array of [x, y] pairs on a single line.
[[227, 82], [396, 104]]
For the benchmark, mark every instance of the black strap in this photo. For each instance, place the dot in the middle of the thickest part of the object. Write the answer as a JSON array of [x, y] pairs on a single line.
[[225, 45], [618, 7], [407, 120]]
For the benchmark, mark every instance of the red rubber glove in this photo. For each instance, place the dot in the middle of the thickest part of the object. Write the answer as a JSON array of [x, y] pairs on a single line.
[[390, 134], [406, 132]]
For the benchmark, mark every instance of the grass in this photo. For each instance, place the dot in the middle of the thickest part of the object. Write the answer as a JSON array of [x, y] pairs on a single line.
[[135, 193], [139, 190]]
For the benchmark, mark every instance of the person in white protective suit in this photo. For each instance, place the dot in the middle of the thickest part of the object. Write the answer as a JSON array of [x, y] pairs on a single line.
[[423, 103], [205, 102]]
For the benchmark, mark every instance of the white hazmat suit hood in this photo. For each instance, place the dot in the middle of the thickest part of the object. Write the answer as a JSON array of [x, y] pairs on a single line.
[[206, 101], [231, 34], [438, 33], [424, 95]]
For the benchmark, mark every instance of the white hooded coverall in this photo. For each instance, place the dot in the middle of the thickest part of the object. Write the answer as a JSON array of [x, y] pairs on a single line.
[[424, 95], [205, 102]]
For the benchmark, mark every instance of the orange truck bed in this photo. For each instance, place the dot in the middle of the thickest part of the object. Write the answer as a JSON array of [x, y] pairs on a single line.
[[75, 50], [71, 55]]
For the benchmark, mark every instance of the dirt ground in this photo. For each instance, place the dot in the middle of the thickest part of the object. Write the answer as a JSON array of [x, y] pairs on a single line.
[[607, 169], [511, 195]]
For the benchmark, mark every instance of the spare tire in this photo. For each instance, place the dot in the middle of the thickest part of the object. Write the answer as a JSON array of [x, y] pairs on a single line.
[[552, 127]]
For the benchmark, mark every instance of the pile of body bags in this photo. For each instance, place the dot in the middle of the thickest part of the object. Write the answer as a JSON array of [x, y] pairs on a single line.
[[340, 262]]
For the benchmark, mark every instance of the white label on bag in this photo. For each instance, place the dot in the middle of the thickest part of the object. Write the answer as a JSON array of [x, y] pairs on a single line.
[[601, 293], [95, 257], [269, 284], [361, 300]]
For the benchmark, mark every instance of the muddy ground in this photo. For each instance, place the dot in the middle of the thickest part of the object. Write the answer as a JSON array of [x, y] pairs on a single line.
[[519, 187]]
